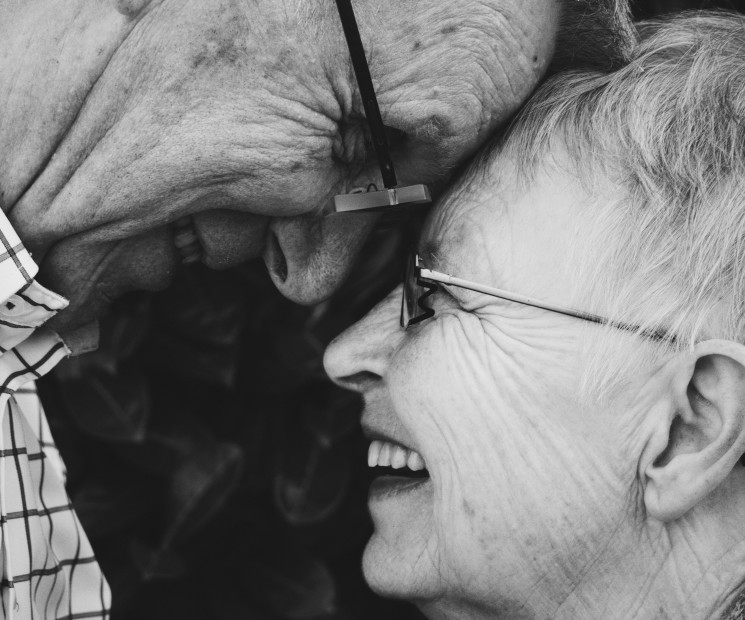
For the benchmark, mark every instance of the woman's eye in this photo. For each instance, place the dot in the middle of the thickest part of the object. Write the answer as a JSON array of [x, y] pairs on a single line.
[[444, 298]]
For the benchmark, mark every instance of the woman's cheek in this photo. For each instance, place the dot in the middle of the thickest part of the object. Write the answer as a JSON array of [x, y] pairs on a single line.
[[455, 406]]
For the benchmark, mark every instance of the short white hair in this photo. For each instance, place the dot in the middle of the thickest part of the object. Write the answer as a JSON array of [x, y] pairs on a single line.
[[669, 129]]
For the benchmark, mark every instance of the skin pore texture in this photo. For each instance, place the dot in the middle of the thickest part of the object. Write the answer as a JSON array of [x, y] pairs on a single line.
[[123, 117], [541, 502]]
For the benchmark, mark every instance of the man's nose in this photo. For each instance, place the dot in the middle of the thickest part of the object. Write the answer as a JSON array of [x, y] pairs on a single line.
[[309, 256], [359, 358]]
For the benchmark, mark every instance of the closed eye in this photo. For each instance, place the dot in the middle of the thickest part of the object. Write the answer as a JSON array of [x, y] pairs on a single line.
[[447, 297], [469, 301]]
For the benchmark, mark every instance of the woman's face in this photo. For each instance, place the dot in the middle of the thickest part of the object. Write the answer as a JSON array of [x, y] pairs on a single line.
[[528, 489]]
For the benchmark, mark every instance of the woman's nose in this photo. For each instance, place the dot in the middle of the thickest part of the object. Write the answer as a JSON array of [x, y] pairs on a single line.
[[358, 359]]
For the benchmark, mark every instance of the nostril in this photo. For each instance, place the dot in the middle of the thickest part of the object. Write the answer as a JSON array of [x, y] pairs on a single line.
[[279, 262], [360, 381]]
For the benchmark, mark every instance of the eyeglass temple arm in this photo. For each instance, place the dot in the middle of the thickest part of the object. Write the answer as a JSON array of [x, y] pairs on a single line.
[[445, 278], [369, 100]]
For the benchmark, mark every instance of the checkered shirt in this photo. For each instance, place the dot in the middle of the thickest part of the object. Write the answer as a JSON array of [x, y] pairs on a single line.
[[48, 568]]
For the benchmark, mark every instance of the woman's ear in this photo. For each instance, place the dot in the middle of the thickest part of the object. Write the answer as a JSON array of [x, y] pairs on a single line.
[[698, 439]]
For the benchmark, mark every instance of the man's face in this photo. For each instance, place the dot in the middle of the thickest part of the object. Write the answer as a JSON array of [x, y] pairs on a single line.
[[530, 484], [242, 121]]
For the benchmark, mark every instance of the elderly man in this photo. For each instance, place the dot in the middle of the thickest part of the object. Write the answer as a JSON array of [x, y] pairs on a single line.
[[139, 134], [242, 121], [558, 407]]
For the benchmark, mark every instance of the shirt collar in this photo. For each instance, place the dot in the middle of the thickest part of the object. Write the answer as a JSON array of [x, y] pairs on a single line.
[[17, 268], [26, 303]]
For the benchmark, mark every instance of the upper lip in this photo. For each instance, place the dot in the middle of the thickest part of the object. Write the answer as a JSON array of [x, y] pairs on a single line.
[[373, 432], [229, 237]]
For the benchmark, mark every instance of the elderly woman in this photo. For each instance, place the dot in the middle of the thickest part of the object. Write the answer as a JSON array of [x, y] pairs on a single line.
[[564, 415]]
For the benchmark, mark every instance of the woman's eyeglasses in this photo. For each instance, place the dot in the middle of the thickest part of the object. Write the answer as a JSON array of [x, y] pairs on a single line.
[[421, 283]]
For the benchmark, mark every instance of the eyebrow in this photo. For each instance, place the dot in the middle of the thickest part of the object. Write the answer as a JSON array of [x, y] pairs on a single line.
[[431, 255], [430, 252]]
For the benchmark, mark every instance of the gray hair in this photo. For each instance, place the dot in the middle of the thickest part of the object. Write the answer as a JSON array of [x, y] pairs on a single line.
[[593, 34], [669, 129]]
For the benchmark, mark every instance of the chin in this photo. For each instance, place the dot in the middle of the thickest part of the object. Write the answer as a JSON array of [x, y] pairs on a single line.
[[379, 570], [77, 315], [394, 577], [92, 280], [397, 572]]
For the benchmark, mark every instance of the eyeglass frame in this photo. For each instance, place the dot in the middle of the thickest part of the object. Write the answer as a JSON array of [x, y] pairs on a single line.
[[394, 198], [431, 280]]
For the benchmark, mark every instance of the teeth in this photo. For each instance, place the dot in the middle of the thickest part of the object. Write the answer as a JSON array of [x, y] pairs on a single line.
[[373, 453], [398, 459], [186, 240], [384, 460], [415, 461], [193, 257], [385, 454], [184, 237]]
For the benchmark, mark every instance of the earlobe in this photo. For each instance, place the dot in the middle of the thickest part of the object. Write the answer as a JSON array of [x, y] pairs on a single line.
[[698, 436]]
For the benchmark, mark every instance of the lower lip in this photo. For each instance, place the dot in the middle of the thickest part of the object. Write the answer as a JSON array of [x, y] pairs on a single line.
[[386, 487]]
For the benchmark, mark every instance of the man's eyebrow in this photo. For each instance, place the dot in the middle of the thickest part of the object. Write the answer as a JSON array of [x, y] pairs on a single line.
[[430, 253]]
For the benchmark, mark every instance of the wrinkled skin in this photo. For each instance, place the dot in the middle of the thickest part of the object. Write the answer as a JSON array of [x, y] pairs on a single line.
[[122, 116], [533, 505], [486, 391]]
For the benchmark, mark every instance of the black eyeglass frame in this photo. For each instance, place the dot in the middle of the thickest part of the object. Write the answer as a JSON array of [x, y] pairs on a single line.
[[416, 273], [393, 196]]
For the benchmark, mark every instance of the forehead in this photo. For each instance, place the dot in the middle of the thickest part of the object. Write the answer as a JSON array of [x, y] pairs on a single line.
[[529, 233]]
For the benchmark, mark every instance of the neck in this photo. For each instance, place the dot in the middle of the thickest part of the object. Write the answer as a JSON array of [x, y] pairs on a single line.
[[689, 568], [708, 551]]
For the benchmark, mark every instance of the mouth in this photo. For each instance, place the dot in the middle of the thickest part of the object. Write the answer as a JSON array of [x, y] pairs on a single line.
[[388, 458], [186, 240], [396, 469], [275, 258]]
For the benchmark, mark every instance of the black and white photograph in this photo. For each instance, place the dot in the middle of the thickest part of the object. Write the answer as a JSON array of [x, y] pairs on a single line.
[[372, 309]]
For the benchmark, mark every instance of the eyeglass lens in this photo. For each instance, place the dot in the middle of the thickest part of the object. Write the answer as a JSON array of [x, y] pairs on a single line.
[[414, 294]]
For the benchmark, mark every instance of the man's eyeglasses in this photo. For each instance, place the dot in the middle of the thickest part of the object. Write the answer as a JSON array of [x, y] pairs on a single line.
[[421, 283], [392, 196]]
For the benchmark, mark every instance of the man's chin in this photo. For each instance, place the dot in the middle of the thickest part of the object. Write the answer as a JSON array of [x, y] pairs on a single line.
[[78, 315], [92, 278]]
